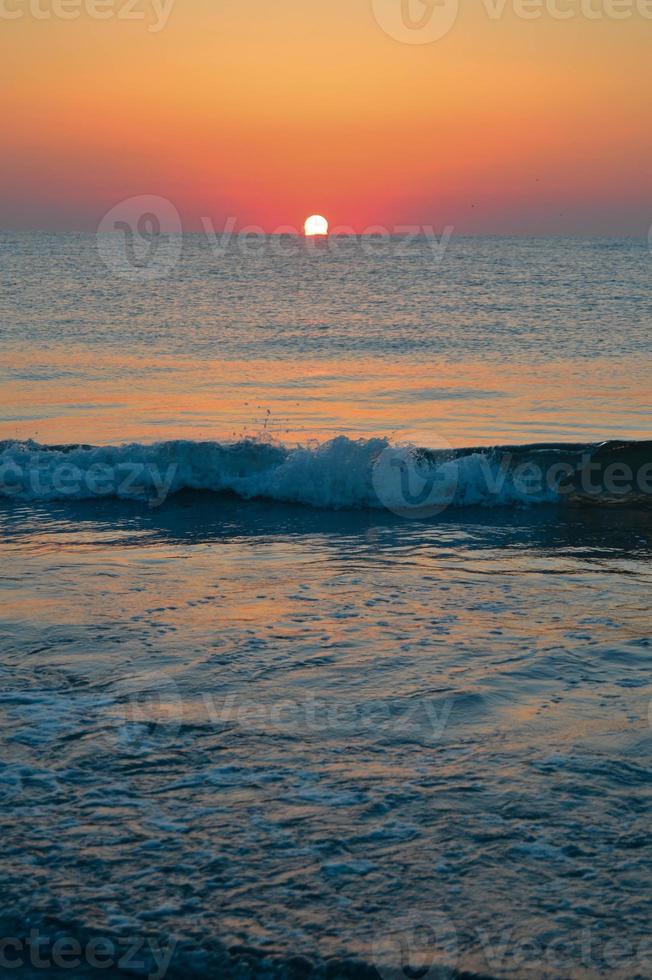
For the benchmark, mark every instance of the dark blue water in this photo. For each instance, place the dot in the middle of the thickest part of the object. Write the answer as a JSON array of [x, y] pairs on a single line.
[[325, 702]]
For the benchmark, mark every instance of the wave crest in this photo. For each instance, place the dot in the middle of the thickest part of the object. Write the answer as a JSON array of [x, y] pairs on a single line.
[[341, 473]]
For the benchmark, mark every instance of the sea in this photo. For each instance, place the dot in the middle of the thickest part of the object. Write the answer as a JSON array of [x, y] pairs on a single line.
[[326, 633]]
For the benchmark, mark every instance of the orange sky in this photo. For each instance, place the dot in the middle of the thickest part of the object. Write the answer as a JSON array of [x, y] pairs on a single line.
[[270, 110]]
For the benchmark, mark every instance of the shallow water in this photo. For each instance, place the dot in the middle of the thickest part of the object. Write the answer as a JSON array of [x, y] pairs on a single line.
[[318, 731]]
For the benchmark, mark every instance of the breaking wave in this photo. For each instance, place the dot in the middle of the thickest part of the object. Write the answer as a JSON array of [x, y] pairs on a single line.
[[341, 473]]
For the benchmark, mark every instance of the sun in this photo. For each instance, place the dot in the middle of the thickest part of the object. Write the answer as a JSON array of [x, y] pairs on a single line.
[[316, 225]]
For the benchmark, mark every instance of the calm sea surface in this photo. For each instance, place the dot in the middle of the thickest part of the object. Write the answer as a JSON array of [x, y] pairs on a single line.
[[271, 680]]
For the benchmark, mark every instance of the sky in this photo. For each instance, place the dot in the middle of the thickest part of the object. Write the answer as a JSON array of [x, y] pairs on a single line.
[[266, 111]]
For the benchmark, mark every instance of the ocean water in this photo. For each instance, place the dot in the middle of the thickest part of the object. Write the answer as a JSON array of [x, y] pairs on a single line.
[[326, 628]]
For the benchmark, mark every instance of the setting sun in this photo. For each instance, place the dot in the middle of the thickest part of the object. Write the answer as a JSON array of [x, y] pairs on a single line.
[[316, 225]]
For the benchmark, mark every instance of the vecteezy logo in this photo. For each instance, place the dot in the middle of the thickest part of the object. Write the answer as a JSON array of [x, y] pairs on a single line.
[[422, 946], [144, 713], [141, 238], [414, 483], [416, 21]]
